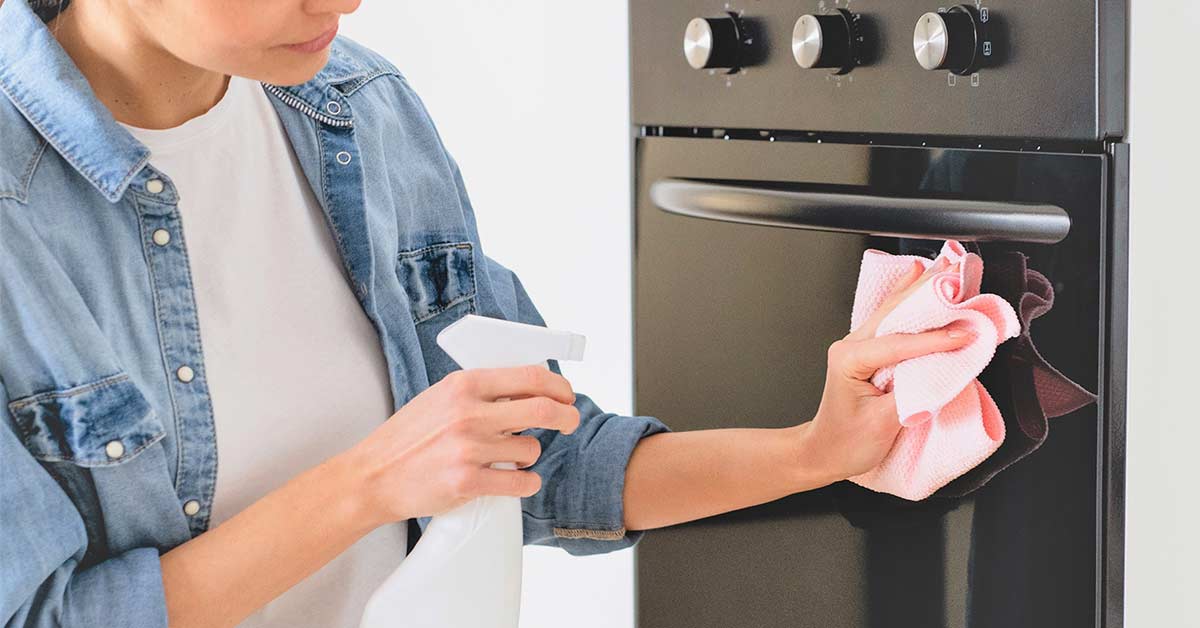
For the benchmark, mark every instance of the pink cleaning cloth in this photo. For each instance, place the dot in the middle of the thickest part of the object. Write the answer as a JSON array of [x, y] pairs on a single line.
[[950, 422]]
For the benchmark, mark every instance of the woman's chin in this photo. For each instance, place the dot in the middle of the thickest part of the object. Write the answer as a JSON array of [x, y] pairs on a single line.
[[299, 68]]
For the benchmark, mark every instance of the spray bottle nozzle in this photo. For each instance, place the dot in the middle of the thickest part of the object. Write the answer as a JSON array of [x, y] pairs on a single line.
[[482, 342]]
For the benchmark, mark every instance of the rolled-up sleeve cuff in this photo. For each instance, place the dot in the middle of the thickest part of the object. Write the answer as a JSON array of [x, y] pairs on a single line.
[[584, 489], [126, 590]]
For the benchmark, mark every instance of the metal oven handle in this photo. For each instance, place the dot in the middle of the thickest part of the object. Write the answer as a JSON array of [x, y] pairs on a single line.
[[925, 218]]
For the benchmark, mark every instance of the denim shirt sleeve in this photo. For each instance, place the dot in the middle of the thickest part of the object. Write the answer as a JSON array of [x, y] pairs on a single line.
[[580, 507], [42, 543]]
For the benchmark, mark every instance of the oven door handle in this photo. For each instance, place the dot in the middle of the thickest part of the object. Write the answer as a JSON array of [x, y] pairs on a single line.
[[926, 218]]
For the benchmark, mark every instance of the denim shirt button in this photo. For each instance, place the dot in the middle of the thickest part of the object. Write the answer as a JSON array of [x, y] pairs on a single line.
[[191, 507], [333, 107], [114, 449], [162, 237], [342, 157], [185, 374], [154, 186]]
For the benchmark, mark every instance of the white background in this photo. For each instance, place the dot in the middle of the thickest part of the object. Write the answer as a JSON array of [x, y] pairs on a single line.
[[531, 97], [1163, 507]]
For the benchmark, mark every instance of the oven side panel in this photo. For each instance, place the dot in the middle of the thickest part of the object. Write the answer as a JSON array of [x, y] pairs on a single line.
[[1115, 388]]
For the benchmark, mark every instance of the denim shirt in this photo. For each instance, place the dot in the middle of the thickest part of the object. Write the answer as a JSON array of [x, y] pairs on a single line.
[[107, 449]]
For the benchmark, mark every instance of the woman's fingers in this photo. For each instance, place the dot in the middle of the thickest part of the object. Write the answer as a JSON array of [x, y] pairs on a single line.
[[883, 408], [522, 450], [522, 414], [521, 381], [505, 482], [859, 359]]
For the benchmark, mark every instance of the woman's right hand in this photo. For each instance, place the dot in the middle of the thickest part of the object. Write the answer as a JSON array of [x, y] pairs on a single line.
[[436, 452]]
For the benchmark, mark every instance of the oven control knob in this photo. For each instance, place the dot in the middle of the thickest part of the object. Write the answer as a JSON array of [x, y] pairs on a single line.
[[713, 42], [950, 40], [826, 41]]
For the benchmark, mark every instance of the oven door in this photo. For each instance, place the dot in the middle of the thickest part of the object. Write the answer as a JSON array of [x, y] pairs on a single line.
[[746, 258]]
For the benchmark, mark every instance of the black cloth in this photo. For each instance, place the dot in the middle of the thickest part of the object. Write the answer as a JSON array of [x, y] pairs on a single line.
[[1028, 389]]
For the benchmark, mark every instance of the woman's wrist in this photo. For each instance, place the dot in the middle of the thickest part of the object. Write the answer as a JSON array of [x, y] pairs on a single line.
[[811, 468], [348, 482]]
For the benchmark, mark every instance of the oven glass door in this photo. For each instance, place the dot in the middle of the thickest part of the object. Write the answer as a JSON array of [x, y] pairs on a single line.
[[732, 324]]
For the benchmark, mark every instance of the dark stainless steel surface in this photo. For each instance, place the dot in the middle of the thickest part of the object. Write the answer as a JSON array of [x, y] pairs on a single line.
[[732, 322], [928, 218], [1056, 71]]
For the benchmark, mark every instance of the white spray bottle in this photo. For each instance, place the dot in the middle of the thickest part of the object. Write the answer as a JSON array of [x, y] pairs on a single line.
[[465, 572]]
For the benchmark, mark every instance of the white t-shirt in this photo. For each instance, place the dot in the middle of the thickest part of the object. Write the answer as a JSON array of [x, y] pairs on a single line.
[[296, 371]]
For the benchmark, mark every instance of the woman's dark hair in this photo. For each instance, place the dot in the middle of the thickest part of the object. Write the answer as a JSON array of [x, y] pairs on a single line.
[[47, 9]]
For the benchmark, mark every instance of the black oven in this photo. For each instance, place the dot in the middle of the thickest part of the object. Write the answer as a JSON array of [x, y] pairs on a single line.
[[765, 165]]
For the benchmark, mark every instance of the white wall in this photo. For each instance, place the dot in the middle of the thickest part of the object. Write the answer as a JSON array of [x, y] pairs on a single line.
[[1163, 506], [537, 118]]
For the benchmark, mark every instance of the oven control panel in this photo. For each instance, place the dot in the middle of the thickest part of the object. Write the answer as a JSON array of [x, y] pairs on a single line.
[[990, 68]]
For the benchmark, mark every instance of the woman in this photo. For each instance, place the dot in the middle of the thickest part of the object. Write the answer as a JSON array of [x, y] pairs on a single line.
[[180, 170]]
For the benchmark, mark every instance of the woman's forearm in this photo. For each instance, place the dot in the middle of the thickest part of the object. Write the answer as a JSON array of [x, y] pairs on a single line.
[[230, 571], [675, 477]]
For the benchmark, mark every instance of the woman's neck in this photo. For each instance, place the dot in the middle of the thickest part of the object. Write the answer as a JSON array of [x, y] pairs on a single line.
[[141, 83]]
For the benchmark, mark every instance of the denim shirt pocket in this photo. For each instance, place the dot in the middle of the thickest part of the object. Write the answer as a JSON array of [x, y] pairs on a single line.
[[440, 282], [95, 440], [102, 423]]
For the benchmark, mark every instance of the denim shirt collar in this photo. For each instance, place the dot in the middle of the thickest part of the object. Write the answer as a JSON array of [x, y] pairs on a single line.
[[44, 84]]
